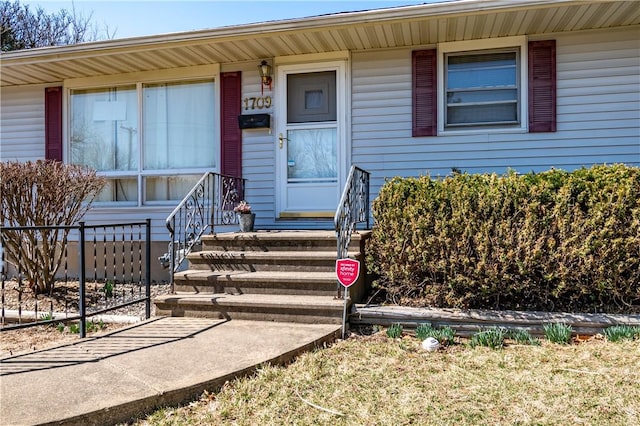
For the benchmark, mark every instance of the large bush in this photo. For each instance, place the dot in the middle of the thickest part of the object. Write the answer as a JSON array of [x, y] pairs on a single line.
[[42, 193], [548, 241]]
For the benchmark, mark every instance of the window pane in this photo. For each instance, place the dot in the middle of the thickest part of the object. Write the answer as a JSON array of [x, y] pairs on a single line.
[[104, 128], [121, 190], [179, 126], [482, 114], [476, 96], [313, 99], [164, 188], [484, 70]]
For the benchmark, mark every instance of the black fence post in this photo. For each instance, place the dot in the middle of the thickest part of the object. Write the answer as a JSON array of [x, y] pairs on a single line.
[[81, 284], [147, 266]]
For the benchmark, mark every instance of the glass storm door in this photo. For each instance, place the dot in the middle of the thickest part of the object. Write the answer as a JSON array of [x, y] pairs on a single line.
[[310, 144]]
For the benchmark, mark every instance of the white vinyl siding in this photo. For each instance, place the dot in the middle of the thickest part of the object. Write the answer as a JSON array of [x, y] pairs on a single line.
[[22, 123], [598, 115], [258, 149]]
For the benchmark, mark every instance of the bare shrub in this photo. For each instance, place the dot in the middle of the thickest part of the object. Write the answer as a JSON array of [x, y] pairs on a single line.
[[42, 193]]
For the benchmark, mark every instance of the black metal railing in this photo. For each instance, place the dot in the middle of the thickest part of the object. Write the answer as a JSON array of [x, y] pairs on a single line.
[[111, 270], [209, 203], [352, 209]]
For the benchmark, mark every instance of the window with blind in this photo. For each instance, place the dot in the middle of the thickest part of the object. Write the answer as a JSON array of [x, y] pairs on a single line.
[[484, 85], [482, 88]]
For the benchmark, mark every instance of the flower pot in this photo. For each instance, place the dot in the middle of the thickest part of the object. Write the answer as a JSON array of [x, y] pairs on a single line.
[[246, 220]]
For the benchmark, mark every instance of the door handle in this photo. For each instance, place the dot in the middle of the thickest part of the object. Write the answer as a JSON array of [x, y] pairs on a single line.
[[281, 139]]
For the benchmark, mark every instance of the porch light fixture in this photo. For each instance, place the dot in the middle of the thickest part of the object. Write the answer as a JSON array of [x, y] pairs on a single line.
[[264, 70]]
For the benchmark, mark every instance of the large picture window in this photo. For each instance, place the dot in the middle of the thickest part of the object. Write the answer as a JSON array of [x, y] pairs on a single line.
[[158, 161]]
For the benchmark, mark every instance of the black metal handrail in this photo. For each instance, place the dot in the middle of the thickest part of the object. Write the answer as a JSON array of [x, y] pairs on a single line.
[[124, 252], [210, 202], [352, 209]]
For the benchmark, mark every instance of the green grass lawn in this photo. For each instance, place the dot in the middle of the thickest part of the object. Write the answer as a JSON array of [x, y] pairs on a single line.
[[375, 380]]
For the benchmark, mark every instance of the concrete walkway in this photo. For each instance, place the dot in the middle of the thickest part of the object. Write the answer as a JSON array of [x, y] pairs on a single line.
[[163, 361]]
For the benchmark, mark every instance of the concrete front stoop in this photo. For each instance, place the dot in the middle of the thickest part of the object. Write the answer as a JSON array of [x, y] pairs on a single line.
[[286, 276]]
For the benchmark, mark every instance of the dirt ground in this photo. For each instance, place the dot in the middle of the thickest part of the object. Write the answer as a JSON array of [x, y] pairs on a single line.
[[64, 300]]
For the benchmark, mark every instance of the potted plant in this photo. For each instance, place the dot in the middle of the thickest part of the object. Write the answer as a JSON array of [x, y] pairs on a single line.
[[245, 217]]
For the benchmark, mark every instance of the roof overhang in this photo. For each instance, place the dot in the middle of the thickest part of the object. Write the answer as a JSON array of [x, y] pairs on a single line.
[[418, 25]]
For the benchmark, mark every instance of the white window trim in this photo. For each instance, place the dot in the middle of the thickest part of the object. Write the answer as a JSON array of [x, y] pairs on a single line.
[[470, 46]]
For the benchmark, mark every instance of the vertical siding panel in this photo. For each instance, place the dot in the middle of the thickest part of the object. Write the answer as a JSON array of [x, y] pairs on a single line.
[[258, 154]]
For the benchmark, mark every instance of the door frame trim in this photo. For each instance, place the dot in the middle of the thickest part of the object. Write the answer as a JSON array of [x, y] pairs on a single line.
[[343, 105]]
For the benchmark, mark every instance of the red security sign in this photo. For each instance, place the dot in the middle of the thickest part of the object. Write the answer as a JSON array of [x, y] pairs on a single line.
[[347, 271]]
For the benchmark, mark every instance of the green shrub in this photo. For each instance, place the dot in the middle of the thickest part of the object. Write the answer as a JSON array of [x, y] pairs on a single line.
[[551, 241], [558, 332]]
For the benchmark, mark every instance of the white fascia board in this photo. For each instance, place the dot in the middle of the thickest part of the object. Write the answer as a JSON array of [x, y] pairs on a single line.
[[133, 44]]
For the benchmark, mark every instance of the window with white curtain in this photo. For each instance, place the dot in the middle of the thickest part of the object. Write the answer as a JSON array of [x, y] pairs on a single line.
[[158, 161]]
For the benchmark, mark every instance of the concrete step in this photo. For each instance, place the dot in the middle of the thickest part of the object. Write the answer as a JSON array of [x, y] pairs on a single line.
[[260, 282], [257, 307], [251, 261], [263, 241]]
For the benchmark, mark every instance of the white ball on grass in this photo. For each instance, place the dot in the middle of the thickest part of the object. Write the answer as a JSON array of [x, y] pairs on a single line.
[[430, 344]]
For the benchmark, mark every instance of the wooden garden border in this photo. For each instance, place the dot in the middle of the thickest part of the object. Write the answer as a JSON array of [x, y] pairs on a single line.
[[469, 321]]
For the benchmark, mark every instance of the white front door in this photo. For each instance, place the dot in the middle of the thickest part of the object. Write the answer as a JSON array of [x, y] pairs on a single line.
[[311, 139]]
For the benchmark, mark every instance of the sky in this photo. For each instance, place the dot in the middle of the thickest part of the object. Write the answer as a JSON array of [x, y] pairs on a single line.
[[124, 19]]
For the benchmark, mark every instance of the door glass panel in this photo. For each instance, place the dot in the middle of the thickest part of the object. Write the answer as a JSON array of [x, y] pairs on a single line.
[[312, 155]]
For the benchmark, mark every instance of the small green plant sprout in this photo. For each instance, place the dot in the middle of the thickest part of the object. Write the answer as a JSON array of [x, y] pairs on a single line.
[[96, 325], [394, 331], [558, 332], [522, 337], [491, 338], [107, 289], [618, 333], [60, 327], [74, 328], [46, 316], [423, 331], [444, 335]]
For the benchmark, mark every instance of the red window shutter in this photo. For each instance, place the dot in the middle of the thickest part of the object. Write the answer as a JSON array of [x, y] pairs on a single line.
[[231, 135], [542, 86], [53, 123], [425, 93]]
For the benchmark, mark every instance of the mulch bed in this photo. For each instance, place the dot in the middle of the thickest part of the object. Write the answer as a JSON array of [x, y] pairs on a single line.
[[64, 299]]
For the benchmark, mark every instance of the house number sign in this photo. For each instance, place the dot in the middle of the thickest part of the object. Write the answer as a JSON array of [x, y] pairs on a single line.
[[259, 102]]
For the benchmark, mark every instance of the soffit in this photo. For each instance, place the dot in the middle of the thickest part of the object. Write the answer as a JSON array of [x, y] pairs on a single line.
[[354, 31]]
